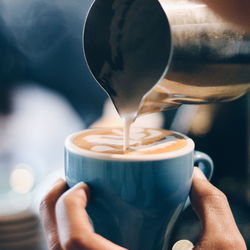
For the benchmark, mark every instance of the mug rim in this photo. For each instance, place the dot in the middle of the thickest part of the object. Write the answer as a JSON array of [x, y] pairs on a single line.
[[71, 147]]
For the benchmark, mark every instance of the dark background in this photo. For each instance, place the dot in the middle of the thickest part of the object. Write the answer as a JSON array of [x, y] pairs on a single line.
[[40, 42]]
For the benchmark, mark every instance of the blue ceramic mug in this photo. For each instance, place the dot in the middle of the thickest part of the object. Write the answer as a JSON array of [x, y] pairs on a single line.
[[135, 200]]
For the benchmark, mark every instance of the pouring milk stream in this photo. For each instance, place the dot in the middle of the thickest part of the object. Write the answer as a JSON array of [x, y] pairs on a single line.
[[153, 55]]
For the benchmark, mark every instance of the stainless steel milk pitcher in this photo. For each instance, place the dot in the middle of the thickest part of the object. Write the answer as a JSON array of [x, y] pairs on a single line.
[[151, 56]]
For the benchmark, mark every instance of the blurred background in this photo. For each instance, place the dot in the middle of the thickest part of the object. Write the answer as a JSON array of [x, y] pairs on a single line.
[[47, 92]]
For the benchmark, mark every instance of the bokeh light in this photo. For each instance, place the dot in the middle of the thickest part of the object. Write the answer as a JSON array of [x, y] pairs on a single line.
[[21, 179]]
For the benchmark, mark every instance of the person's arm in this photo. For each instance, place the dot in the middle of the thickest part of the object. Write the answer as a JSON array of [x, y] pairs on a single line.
[[67, 225]]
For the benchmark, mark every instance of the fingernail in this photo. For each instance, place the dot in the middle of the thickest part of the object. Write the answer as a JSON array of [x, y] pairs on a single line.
[[82, 185], [199, 174], [78, 185]]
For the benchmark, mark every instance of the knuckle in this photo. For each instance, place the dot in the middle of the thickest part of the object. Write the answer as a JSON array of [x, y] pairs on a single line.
[[215, 194], [239, 243], [45, 203], [223, 243], [220, 195], [69, 200], [49, 200], [216, 200], [230, 243], [74, 242], [53, 244], [64, 201]]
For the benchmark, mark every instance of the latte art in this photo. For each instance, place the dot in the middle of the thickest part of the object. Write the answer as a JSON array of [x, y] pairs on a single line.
[[141, 141]]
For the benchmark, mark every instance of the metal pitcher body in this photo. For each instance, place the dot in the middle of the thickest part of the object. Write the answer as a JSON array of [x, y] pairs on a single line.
[[151, 56]]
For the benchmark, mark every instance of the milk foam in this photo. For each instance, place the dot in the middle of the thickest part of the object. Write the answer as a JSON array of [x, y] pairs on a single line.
[[141, 141]]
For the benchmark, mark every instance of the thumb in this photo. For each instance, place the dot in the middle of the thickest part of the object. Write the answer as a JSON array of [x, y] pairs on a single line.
[[210, 204], [74, 228]]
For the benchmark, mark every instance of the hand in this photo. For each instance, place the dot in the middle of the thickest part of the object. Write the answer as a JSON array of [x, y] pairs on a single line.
[[66, 222], [67, 226], [219, 230]]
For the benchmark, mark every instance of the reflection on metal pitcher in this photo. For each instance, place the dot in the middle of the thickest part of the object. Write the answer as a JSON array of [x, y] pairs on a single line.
[[151, 56]]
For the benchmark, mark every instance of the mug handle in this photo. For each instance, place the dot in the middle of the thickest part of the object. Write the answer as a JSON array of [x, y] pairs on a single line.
[[205, 164]]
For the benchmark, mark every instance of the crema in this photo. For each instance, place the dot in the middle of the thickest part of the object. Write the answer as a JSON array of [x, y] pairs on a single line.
[[142, 141]]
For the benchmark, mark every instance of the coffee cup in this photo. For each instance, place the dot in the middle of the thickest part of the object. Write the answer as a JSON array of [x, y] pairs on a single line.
[[135, 196]]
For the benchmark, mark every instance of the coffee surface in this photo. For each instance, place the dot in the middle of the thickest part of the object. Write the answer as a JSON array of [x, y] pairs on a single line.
[[142, 141]]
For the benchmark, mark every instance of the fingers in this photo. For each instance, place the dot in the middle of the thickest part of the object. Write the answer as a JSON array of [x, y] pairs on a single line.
[[48, 217], [74, 228], [219, 228], [71, 214]]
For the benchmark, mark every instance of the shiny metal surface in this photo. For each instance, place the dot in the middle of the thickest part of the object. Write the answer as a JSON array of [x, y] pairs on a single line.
[[210, 60], [175, 52]]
